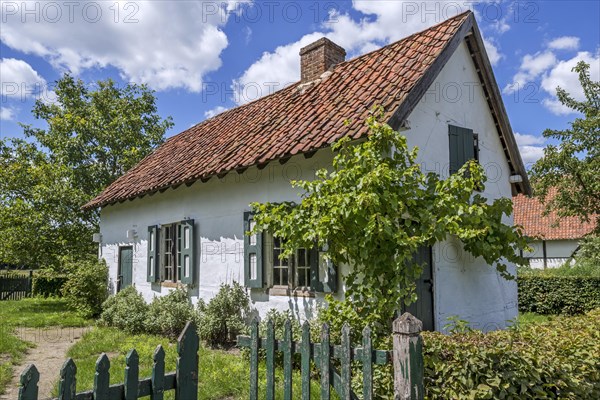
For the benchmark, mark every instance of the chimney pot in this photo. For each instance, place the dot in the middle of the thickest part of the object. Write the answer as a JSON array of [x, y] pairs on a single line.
[[318, 57]]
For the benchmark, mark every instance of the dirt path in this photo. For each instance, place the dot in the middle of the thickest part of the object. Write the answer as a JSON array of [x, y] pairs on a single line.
[[48, 355]]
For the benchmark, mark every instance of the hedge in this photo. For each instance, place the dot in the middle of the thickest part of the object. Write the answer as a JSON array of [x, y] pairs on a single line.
[[554, 359], [558, 294], [48, 283]]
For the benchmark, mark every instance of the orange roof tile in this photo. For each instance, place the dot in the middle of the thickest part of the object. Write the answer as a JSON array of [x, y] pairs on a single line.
[[290, 121], [528, 212]]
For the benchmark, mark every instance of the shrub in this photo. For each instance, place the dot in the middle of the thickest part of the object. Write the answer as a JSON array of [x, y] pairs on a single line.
[[554, 359], [167, 315], [86, 287], [48, 283], [544, 294], [127, 310], [223, 318]]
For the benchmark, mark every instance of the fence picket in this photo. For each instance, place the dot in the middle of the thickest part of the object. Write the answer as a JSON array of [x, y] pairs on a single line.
[[67, 386], [132, 375], [306, 356], [287, 361], [270, 360], [325, 363], [254, 360], [29, 383], [187, 364], [158, 374], [345, 359], [102, 378], [367, 362]]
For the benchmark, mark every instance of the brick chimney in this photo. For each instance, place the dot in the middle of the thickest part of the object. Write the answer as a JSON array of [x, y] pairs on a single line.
[[318, 57]]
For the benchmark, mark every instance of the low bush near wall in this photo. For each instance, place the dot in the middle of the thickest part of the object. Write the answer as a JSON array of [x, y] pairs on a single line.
[[558, 294], [47, 283], [555, 359], [127, 310]]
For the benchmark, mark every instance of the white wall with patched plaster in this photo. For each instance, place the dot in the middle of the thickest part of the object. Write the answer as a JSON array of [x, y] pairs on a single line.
[[463, 286]]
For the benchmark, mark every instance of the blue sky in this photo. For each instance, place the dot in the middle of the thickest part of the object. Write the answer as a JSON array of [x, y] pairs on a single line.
[[202, 57]]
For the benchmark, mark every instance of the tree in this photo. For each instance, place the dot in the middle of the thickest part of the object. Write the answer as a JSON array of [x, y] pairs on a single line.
[[92, 137], [570, 169], [376, 207]]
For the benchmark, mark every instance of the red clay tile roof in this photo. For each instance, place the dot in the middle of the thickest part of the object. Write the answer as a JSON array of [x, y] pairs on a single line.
[[290, 122], [528, 212]]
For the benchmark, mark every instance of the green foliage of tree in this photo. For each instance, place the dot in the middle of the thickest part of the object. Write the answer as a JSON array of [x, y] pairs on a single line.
[[376, 207], [572, 165], [93, 136]]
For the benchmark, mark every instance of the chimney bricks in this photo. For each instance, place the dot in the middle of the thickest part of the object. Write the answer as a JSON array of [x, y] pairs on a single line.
[[318, 57]]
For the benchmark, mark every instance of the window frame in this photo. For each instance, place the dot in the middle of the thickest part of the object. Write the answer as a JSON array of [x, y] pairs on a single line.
[[293, 280], [174, 253]]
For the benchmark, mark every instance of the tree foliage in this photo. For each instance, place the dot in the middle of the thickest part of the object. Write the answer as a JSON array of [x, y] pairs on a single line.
[[376, 207], [571, 167], [92, 137]]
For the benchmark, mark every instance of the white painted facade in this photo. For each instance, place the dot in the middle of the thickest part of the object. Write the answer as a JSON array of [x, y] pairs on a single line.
[[463, 286], [556, 254]]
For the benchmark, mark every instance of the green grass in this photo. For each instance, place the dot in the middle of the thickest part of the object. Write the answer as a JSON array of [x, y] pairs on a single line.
[[532, 318], [38, 312], [222, 374], [30, 313]]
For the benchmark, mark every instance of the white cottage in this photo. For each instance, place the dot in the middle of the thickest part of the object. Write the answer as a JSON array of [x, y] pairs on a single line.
[[179, 216]]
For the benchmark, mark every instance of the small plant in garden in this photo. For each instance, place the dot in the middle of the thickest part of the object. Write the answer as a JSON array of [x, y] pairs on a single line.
[[225, 315], [457, 325], [167, 315], [127, 310], [85, 289]]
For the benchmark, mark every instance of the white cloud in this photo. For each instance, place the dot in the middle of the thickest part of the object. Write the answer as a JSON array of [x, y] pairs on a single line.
[[492, 51], [531, 147], [214, 111], [562, 75], [18, 79], [532, 66], [564, 43], [130, 36], [7, 114]]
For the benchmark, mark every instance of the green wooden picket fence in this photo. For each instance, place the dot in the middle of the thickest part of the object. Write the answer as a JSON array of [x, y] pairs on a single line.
[[406, 357], [184, 381]]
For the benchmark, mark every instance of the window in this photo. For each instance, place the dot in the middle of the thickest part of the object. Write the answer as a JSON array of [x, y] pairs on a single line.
[[171, 252], [303, 271], [292, 272]]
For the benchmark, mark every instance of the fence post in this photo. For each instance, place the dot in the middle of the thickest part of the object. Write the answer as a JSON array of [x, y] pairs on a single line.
[[408, 358], [305, 361], [270, 360], [131, 375], [102, 378], [187, 364], [367, 362], [158, 374], [325, 363], [29, 383], [287, 361], [254, 360], [30, 285], [67, 386]]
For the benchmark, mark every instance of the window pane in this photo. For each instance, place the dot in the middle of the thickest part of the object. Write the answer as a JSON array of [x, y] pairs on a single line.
[[186, 237], [151, 266], [252, 237], [253, 266], [151, 241], [284, 276], [186, 266]]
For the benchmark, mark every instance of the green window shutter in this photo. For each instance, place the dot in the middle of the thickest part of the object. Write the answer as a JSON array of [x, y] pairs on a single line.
[[187, 261], [152, 270], [461, 146], [253, 257], [317, 282], [315, 279]]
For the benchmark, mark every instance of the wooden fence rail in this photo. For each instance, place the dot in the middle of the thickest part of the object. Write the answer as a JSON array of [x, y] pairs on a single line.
[[406, 355], [15, 285], [184, 381]]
